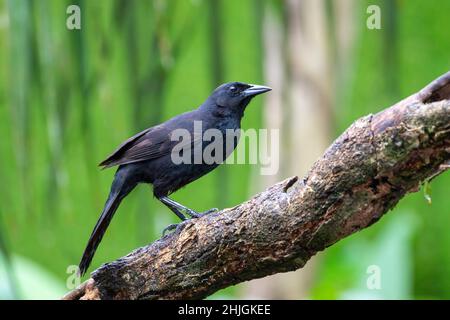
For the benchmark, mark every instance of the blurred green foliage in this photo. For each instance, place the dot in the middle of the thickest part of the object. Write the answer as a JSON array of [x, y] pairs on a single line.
[[68, 98], [391, 64]]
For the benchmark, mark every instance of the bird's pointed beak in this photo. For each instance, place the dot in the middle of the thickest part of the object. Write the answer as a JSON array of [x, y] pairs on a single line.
[[255, 89]]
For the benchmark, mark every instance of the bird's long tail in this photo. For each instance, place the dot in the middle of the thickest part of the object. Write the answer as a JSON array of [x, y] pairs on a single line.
[[119, 189]]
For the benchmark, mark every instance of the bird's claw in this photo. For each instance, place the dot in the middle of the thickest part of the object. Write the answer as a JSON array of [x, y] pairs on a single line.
[[170, 227], [212, 210], [194, 214]]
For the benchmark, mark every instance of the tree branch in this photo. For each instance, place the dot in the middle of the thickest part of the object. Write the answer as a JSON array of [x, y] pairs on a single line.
[[361, 176]]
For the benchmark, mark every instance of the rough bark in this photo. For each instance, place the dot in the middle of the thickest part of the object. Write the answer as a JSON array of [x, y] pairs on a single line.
[[361, 176], [298, 64]]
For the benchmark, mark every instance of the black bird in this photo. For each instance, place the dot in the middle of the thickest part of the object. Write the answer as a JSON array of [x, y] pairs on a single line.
[[147, 156]]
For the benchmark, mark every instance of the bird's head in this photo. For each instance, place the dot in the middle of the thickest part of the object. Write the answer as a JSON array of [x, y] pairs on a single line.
[[235, 96]]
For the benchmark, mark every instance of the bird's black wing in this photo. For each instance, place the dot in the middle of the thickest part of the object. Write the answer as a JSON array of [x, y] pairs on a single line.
[[149, 144]]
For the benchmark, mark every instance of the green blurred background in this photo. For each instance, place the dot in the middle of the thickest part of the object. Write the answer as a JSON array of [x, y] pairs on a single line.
[[69, 97]]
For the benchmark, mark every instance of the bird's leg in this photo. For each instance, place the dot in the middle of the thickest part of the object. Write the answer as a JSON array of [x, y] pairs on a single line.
[[175, 210], [170, 204], [173, 205]]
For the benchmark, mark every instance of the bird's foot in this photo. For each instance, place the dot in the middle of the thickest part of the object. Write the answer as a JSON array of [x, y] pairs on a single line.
[[195, 214], [170, 227]]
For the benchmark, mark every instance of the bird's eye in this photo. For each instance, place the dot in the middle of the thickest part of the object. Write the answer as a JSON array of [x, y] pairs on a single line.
[[233, 89]]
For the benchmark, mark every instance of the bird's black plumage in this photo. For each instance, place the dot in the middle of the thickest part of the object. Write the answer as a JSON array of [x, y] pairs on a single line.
[[146, 157]]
